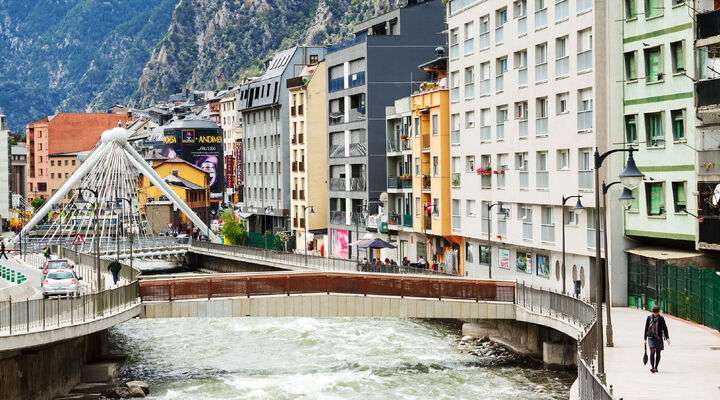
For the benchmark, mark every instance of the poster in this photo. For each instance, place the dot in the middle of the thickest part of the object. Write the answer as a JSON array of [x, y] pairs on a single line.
[[239, 171], [504, 258], [201, 147], [229, 173], [340, 243], [524, 262], [542, 266]]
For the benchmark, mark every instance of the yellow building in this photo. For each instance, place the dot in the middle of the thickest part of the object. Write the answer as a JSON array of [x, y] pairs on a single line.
[[189, 182], [308, 155], [431, 164]]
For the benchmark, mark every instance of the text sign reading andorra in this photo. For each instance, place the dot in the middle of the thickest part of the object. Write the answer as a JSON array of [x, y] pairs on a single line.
[[201, 147]]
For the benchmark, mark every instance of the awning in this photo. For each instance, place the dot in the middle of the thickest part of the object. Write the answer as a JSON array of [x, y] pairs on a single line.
[[660, 253], [245, 215]]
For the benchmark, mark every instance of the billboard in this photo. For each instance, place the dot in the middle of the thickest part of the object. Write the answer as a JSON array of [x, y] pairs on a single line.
[[202, 147]]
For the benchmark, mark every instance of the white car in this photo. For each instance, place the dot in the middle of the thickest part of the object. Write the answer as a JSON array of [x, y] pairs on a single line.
[[61, 282]]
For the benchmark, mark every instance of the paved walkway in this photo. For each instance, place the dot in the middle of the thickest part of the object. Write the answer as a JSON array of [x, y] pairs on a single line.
[[689, 367]]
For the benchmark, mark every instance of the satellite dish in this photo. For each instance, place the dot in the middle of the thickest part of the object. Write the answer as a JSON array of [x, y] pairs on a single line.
[[716, 195]]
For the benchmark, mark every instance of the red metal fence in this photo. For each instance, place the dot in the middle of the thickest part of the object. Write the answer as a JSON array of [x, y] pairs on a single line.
[[325, 282]]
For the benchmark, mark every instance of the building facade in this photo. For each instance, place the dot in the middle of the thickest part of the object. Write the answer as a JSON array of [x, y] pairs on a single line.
[[266, 140], [5, 169], [365, 75], [525, 81], [18, 171], [231, 124]]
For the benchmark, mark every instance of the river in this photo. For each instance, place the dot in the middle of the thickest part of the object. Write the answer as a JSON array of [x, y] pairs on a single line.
[[304, 358]]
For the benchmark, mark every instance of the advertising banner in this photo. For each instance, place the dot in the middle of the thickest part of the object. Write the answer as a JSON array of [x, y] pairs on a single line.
[[202, 147], [542, 266], [229, 173], [504, 258], [239, 170], [340, 243], [524, 262]]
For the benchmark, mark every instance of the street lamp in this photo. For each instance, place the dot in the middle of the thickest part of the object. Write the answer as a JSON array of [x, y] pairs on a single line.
[[312, 211], [131, 233], [267, 210], [578, 206], [489, 209], [630, 173], [96, 239]]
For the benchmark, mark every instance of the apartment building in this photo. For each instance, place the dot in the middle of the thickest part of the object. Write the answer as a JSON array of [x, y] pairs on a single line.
[[365, 75], [524, 80], [263, 104], [231, 124], [61, 134], [5, 169], [308, 138]]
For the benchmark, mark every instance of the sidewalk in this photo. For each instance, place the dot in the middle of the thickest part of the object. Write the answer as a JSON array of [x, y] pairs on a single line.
[[689, 367]]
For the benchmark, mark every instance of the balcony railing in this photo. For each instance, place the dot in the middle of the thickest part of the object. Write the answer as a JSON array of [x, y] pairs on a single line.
[[455, 94], [562, 66], [357, 114], [346, 43], [500, 83], [469, 91], [338, 217], [456, 223], [455, 137], [356, 79], [484, 40], [541, 18], [522, 25], [358, 149], [485, 87], [486, 133], [336, 118], [547, 233], [541, 72], [585, 120], [562, 10], [502, 227], [469, 46], [500, 131], [542, 179], [425, 141], [392, 145], [427, 223], [524, 180], [394, 219], [500, 180], [708, 24], [337, 150], [407, 220], [358, 184], [584, 59], [455, 179], [454, 51], [708, 162], [394, 182], [486, 182], [541, 126], [707, 92], [527, 230], [426, 182], [499, 35], [337, 184], [336, 84], [585, 180], [584, 5], [522, 76], [523, 128]]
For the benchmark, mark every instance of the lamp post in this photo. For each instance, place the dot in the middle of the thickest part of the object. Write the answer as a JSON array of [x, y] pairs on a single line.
[[578, 205], [312, 211], [96, 239], [130, 235], [630, 172], [267, 210], [489, 225]]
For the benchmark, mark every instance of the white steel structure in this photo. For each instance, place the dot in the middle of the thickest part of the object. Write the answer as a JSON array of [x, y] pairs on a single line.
[[525, 82], [111, 171]]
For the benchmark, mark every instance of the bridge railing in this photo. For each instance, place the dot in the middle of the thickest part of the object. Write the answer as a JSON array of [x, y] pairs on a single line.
[[325, 282], [27, 316], [582, 315], [313, 261]]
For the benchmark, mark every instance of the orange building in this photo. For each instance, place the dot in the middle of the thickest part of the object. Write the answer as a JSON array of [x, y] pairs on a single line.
[[53, 144]]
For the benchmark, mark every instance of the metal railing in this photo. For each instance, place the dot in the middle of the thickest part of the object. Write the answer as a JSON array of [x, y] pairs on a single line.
[[522, 25], [562, 9], [585, 120], [523, 128], [338, 184], [522, 76], [541, 18], [338, 217], [547, 233], [541, 126], [485, 87], [500, 83], [584, 60], [562, 66], [541, 72], [585, 179]]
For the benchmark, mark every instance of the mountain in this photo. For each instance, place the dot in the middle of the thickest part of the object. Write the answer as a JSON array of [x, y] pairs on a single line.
[[74, 55]]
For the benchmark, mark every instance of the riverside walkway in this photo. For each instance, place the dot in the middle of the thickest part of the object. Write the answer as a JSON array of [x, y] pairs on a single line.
[[689, 367]]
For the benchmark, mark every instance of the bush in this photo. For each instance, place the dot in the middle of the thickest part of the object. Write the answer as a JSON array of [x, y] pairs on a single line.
[[233, 229]]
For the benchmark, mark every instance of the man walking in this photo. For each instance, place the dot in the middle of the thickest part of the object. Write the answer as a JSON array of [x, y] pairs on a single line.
[[655, 332], [3, 253]]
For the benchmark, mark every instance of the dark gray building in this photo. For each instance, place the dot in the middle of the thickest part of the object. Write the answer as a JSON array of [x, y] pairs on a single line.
[[366, 74], [263, 104]]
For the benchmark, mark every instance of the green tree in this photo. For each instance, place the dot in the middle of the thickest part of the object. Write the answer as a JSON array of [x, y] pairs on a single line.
[[37, 202], [233, 229]]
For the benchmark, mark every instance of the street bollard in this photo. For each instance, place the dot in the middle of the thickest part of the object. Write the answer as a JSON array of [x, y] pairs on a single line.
[[27, 315], [43, 312]]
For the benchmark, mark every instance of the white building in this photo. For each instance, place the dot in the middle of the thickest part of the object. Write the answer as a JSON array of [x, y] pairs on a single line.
[[231, 124], [4, 172], [524, 86]]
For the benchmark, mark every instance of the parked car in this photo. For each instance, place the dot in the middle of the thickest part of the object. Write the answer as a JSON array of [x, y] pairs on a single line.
[[61, 282], [58, 263]]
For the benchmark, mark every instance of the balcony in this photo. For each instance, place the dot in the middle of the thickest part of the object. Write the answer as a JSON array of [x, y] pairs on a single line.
[[585, 180], [356, 79], [346, 43], [500, 83], [523, 128], [485, 133], [541, 18], [426, 183], [708, 162], [542, 180], [394, 219], [547, 233], [455, 137], [399, 182], [336, 118], [357, 114], [584, 60], [541, 126], [337, 150], [407, 220], [562, 10], [358, 184], [455, 179], [708, 24], [425, 142], [337, 184], [524, 180], [707, 92], [522, 76], [392, 145], [338, 217], [336, 84], [456, 223], [541, 72], [562, 66], [527, 230], [585, 120], [427, 223], [486, 182], [485, 87], [522, 25], [358, 149]]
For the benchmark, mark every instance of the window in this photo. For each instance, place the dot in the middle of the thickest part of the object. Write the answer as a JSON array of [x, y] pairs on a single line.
[[417, 126], [435, 166], [521, 110], [520, 64], [653, 8], [454, 46], [562, 59], [630, 66], [540, 14], [484, 255], [485, 130], [434, 124], [469, 83], [561, 103], [679, 197], [631, 128], [484, 32], [630, 9], [469, 252], [677, 53], [541, 62], [541, 107], [470, 208], [584, 45], [455, 122], [501, 18], [654, 134], [455, 86], [469, 119], [655, 198], [653, 65], [436, 207], [563, 159], [417, 166], [469, 34], [485, 79], [470, 164], [678, 124], [635, 202]]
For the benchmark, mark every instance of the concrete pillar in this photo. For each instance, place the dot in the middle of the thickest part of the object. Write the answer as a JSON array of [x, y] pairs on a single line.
[[560, 354]]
